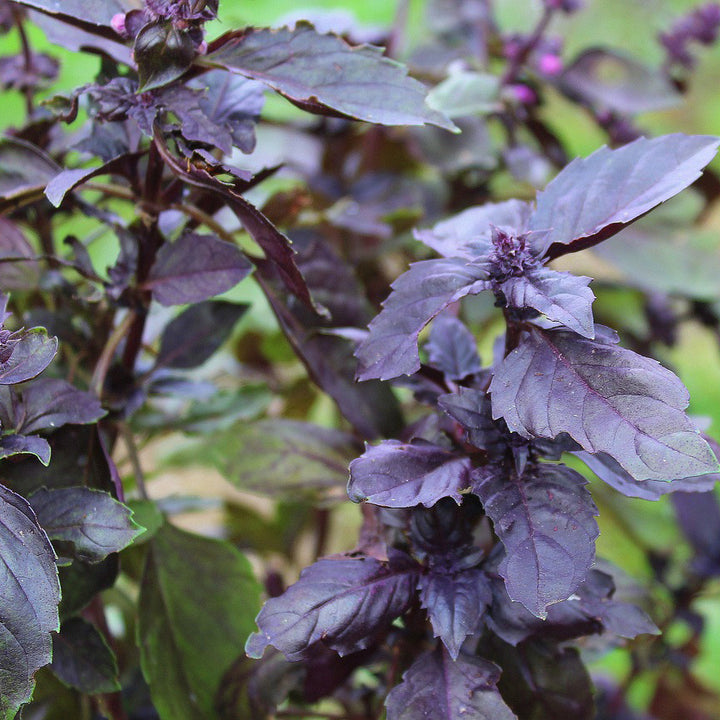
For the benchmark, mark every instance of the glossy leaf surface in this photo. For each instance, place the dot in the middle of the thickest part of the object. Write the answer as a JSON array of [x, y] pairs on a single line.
[[363, 84], [31, 354], [605, 397], [594, 197], [345, 603], [91, 522], [395, 474]]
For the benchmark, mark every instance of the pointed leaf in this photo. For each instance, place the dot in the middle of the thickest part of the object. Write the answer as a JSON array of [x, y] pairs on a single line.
[[418, 295], [605, 397], [30, 594], [466, 93], [50, 403], [345, 603], [467, 234], [562, 297], [24, 272], [545, 520], [363, 84], [194, 335], [83, 660], [594, 197], [91, 521], [473, 410], [194, 268], [163, 52], [31, 444], [455, 604], [198, 598], [395, 474], [31, 354], [436, 686], [452, 348]]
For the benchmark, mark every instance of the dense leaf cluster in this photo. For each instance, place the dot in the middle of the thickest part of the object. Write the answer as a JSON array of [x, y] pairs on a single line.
[[134, 206]]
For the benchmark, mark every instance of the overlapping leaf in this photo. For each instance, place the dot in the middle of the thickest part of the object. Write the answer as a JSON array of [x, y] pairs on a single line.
[[361, 84], [395, 474], [418, 295], [436, 686], [455, 603], [594, 197], [345, 603], [30, 594], [452, 348], [605, 397], [545, 520], [91, 522], [561, 297], [13, 444], [31, 353]]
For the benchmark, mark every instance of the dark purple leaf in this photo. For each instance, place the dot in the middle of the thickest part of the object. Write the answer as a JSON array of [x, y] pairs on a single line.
[[438, 687], [543, 681], [279, 456], [81, 582], [18, 268], [30, 594], [25, 170], [163, 52], [590, 610], [233, 102], [89, 11], [31, 353], [456, 604], [452, 348], [605, 397], [91, 521], [194, 335], [345, 603], [395, 474], [545, 520], [30, 444], [418, 295], [473, 410], [362, 84], [371, 407], [594, 197], [612, 81], [68, 180], [468, 234], [194, 268], [51, 402], [611, 472], [83, 660], [560, 296]]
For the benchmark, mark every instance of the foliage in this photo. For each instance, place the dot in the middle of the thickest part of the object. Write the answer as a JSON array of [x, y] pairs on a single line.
[[326, 265]]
